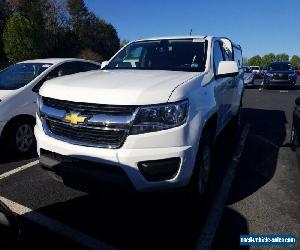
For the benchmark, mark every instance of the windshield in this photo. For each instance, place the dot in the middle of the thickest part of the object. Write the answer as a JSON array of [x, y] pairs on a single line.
[[255, 68], [179, 55], [280, 67], [18, 75]]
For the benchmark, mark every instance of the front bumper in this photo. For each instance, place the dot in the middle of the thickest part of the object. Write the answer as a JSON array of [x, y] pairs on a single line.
[[273, 82], [125, 159]]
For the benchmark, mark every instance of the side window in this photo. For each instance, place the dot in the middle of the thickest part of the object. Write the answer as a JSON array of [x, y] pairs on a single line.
[[218, 56], [238, 57], [227, 49], [86, 66], [67, 68]]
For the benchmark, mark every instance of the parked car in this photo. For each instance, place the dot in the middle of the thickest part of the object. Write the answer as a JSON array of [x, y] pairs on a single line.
[[256, 71], [295, 134], [248, 76], [298, 72], [280, 74], [263, 71], [147, 125], [19, 85]]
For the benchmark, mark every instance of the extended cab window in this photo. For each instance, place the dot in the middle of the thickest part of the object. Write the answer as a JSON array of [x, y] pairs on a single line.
[[167, 54]]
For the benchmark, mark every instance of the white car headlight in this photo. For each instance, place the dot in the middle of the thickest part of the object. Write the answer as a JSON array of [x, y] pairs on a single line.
[[160, 117], [269, 74]]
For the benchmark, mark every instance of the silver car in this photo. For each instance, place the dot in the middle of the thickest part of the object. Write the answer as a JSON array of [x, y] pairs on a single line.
[[249, 76]]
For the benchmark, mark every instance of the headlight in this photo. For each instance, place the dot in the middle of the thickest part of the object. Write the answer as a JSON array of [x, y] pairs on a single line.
[[269, 74], [159, 117]]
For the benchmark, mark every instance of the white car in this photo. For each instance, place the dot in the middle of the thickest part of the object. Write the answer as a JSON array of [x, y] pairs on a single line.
[[19, 85], [256, 71], [248, 76], [147, 125]]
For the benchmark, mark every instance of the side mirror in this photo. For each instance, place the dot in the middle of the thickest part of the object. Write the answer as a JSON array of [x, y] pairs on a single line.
[[297, 101], [227, 69], [104, 64]]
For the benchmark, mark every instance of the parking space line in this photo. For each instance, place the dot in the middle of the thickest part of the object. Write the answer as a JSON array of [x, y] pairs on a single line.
[[55, 226], [209, 230], [19, 169]]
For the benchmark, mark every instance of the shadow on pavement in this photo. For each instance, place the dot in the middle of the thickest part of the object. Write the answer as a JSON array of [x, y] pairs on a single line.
[[259, 160], [9, 158], [232, 225], [147, 221], [156, 220]]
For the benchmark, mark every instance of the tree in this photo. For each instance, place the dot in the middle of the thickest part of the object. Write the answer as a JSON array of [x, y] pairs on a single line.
[[90, 55], [123, 43], [267, 59], [282, 57], [255, 61], [295, 61], [92, 32], [20, 39], [4, 13]]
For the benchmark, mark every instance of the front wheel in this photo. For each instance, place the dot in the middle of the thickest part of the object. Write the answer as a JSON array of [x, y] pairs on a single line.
[[19, 137], [202, 169]]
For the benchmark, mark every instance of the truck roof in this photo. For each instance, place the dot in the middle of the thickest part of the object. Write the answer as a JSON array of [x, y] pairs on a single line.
[[54, 60], [187, 37]]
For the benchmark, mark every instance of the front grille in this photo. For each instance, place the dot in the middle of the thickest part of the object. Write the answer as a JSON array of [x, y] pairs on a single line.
[[283, 77], [89, 108], [85, 135]]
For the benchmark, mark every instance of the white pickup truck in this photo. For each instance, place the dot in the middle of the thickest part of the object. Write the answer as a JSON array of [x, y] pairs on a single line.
[[147, 120]]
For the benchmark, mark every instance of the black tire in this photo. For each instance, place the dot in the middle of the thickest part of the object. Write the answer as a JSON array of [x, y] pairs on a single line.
[[19, 138], [199, 184]]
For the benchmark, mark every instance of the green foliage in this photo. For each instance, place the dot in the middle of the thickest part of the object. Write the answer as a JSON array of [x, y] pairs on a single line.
[[295, 61], [20, 39], [255, 61], [282, 57], [4, 12], [123, 43], [62, 28], [93, 33], [267, 59]]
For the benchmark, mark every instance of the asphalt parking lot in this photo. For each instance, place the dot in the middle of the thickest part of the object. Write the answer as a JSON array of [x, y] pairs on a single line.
[[260, 196]]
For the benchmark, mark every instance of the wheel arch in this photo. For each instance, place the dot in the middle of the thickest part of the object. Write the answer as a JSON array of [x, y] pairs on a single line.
[[22, 117]]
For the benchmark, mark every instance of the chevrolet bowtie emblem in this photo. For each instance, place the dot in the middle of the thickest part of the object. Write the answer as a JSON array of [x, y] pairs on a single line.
[[75, 118]]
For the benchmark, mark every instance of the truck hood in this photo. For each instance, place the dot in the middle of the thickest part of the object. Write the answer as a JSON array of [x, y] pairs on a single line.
[[120, 87]]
